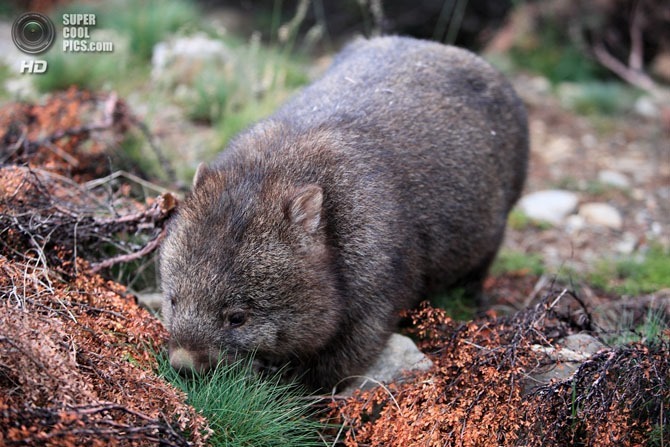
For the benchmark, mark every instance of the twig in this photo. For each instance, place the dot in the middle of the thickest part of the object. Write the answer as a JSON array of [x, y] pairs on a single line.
[[91, 421], [633, 77], [370, 379], [92, 184], [61, 153], [148, 248], [26, 354], [636, 48], [539, 285], [162, 159]]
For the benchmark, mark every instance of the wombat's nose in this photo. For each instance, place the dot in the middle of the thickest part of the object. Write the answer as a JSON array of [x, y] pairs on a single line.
[[186, 362]]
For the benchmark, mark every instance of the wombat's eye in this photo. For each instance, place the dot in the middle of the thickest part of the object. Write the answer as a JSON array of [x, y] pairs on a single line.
[[237, 319], [173, 302]]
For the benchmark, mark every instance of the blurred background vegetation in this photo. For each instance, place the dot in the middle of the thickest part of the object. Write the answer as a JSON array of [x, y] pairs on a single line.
[[597, 44]]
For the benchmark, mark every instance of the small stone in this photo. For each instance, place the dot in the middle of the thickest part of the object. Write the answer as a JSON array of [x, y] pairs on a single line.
[[150, 301], [574, 223], [644, 106], [636, 166], [601, 214], [627, 244], [614, 178], [551, 206], [398, 357]]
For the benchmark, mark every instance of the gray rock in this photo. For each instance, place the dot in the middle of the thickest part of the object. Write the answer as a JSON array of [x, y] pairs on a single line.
[[601, 214], [578, 347], [400, 356], [551, 206], [179, 60], [566, 356], [150, 301], [614, 178]]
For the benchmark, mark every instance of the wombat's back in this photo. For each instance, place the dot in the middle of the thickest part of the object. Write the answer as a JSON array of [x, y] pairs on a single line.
[[450, 130]]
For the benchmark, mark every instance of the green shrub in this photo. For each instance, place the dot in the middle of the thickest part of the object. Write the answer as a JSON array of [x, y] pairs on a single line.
[[244, 410], [260, 81], [597, 98], [550, 53], [90, 71], [148, 22]]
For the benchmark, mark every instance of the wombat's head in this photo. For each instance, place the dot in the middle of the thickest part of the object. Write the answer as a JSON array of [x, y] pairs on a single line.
[[245, 268]]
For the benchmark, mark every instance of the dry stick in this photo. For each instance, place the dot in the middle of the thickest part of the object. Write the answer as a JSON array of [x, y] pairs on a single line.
[[72, 161], [92, 184], [635, 78], [151, 246], [142, 432], [108, 121], [162, 159], [26, 354], [636, 48]]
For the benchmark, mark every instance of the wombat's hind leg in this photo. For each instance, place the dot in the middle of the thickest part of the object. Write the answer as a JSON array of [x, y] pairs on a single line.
[[473, 282]]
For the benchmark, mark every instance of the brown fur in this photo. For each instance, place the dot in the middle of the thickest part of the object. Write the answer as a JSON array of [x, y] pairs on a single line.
[[386, 181]]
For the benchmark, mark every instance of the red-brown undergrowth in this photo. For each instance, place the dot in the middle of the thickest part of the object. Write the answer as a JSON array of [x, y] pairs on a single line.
[[480, 391]]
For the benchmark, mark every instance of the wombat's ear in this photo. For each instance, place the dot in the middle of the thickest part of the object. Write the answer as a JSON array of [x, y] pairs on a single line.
[[200, 173], [304, 208]]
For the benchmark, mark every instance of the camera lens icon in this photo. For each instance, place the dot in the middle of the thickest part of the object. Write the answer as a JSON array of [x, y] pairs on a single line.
[[33, 33]]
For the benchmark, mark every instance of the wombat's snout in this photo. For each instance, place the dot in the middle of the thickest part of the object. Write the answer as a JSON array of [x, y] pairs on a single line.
[[189, 362]]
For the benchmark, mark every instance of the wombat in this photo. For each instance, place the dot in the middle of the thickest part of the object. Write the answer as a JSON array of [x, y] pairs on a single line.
[[385, 182]]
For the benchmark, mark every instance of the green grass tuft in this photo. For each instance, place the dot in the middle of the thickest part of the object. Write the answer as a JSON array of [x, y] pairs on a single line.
[[245, 410], [633, 276], [509, 261], [132, 27], [551, 54], [651, 330], [596, 98], [457, 304], [518, 220]]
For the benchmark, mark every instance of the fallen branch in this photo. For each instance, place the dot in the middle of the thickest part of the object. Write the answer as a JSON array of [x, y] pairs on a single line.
[[633, 73], [637, 78], [52, 215], [98, 424], [120, 259]]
